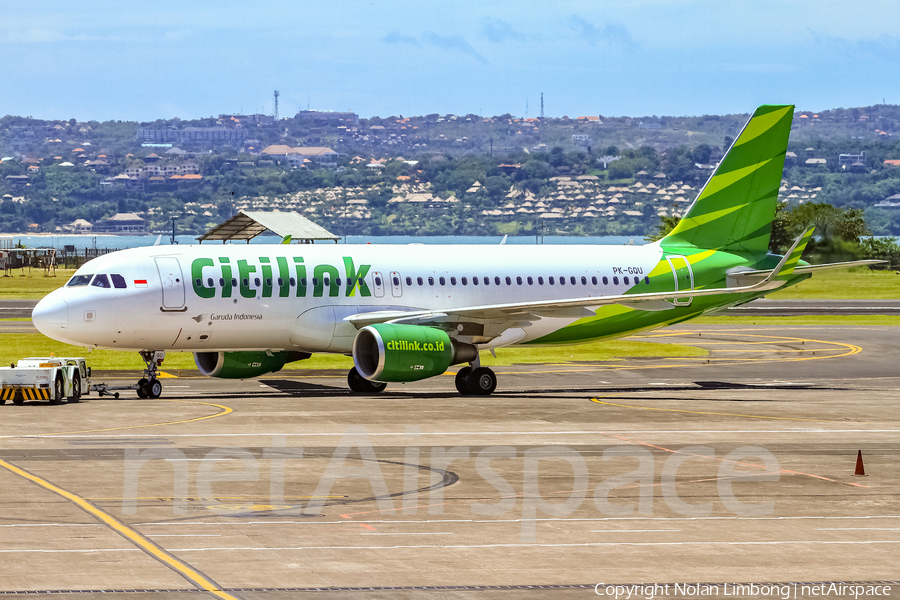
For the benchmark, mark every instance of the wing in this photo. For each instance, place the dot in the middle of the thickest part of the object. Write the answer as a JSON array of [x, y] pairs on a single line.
[[500, 317]]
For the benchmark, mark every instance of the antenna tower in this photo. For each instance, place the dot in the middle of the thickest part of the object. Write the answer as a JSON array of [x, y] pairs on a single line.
[[277, 93], [542, 106]]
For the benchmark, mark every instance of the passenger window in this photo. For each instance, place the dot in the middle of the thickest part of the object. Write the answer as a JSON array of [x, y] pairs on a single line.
[[234, 282], [79, 280], [487, 281], [594, 280], [443, 281], [315, 281], [210, 282], [626, 280], [551, 281], [474, 281], [518, 281], [530, 281], [572, 280], [464, 281], [292, 281], [280, 282], [303, 282], [583, 280], [337, 281], [377, 281], [419, 281], [508, 281], [453, 281], [256, 281], [409, 281], [350, 282], [562, 281], [431, 281], [496, 280], [396, 281], [118, 281], [221, 282], [615, 281], [647, 280], [101, 281], [605, 280], [540, 281]]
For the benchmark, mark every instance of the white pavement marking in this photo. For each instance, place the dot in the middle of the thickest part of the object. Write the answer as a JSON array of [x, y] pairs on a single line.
[[632, 530], [413, 533], [400, 434], [557, 519], [573, 545]]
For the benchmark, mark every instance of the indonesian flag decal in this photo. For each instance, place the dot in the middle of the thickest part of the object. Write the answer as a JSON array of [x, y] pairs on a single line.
[[140, 283]]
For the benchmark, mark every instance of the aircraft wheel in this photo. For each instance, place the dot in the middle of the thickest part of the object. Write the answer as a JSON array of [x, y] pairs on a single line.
[[142, 388], [58, 390], [18, 399], [76, 389], [375, 387], [356, 381], [154, 388], [462, 386], [361, 385], [482, 382]]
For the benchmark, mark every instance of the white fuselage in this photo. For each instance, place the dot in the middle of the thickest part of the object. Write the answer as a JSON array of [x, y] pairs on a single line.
[[251, 297]]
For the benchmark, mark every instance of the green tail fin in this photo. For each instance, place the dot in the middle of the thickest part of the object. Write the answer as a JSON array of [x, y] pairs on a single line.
[[736, 207]]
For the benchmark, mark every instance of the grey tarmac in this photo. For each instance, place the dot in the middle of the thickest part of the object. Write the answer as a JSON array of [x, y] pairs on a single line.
[[421, 493]]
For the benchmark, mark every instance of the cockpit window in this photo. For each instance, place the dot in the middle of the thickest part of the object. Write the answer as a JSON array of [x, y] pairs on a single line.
[[101, 281], [79, 280], [118, 281]]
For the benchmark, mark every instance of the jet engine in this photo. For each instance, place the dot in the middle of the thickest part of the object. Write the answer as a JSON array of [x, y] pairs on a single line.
[[241, 365], [386, 352]]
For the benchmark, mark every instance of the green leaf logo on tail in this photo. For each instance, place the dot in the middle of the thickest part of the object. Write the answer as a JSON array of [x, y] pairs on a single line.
[[736, 207]]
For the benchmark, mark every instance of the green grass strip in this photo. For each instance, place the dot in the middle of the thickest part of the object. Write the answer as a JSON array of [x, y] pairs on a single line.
[[14, 346]]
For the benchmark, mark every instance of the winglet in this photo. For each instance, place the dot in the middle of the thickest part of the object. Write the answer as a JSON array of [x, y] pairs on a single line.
[[785, 268]]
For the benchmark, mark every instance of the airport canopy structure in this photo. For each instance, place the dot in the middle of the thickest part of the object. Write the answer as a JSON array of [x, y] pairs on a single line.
[[246, 225]]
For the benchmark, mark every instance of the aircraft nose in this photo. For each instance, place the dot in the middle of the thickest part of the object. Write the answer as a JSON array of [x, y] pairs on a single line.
[[50, 315]]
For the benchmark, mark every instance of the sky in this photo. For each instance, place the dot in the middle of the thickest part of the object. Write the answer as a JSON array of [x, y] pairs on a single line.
[[109, 60]]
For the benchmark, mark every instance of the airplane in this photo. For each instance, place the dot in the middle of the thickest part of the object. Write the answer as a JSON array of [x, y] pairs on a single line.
[[408, 312]]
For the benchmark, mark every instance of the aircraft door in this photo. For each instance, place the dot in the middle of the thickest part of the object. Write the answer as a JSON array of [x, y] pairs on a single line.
[[684, 278], [172, 284], [378, 284], [396, 284]]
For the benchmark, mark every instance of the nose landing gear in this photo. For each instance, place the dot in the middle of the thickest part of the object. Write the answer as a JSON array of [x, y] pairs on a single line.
[[148, 386]]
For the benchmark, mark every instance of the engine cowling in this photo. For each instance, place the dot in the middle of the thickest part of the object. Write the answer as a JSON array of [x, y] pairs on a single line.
[[241, 365], [390, 353]]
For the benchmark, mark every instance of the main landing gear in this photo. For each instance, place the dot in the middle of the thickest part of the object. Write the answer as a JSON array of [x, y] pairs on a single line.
[[361, 385], [148, 386], [476, 380]]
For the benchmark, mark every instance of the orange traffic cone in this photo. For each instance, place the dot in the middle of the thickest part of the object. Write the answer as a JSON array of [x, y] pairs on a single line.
[[860, 469]]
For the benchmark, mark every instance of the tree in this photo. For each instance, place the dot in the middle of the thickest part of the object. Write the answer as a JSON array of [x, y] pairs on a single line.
[[666, 225]]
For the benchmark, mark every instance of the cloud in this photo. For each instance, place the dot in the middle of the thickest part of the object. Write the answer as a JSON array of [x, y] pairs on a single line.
[[31, 36], [395, 37], [455, 43], [883, 48], [497, 30], [610, 34]]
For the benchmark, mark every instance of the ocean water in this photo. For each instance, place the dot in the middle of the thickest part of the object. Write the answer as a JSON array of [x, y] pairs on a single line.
[[120, 242]]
